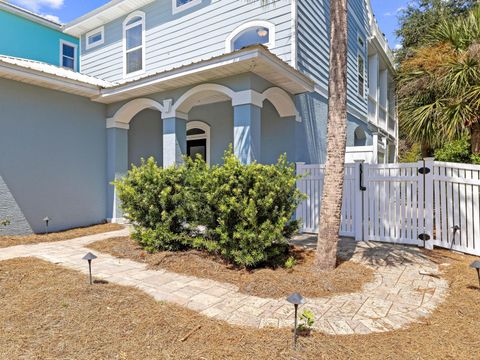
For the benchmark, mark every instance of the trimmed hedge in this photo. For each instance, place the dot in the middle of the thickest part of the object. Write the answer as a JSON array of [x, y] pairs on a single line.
[[241, 212]]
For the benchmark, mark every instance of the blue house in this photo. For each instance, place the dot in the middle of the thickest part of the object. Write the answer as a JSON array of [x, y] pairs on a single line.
[[27, 35], [165, 78]]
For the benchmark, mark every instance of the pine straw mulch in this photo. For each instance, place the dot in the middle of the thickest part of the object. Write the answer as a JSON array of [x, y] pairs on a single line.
[[269, 283], [49, 312], [13, 240]]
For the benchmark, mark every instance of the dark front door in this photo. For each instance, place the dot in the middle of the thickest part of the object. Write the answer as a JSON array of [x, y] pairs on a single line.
[[195, 147]]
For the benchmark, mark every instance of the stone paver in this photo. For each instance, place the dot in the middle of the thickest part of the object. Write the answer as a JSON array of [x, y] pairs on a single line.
[[399, 294]]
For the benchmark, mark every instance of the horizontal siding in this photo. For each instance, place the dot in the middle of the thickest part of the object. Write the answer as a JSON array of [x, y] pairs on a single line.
[[313, 45], [189, 36]]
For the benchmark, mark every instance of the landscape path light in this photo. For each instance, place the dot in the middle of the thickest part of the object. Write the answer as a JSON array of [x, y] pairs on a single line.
[[89, 257], [46, 220], [476, 265], [296, 299]]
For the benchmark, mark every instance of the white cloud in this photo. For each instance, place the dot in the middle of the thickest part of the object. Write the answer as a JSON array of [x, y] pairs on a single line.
[[52, 18], [398, 46], [36, 5]]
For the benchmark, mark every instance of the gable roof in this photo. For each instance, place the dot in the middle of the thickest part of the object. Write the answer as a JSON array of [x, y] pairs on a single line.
[[102, 15], [16, 10]]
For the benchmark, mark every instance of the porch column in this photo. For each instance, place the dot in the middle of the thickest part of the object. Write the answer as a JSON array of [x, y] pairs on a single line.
[[246, 133], [174, 140], [117, 165]]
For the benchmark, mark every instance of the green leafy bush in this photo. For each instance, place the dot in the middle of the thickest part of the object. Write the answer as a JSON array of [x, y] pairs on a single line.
[[156, 201], [240, 212], [458, 151]]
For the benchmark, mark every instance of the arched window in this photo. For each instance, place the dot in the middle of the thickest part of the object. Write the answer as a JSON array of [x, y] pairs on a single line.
[[134, 43], [198, 140], [251, 33], [360, 138]]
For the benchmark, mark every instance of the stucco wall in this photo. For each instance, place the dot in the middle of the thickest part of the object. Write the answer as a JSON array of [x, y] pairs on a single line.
[[52, 158], [145, 137]]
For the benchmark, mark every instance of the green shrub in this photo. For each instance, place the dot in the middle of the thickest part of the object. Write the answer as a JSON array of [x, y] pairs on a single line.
[[454, 151], [156, 201], [240, 212]]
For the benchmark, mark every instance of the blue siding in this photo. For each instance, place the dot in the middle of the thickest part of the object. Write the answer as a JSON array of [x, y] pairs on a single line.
[[314, 44], [23, 38], [193, 35]]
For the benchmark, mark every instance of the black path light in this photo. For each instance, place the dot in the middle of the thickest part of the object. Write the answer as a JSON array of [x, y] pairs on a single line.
[[89, 257], [476, 265], [46, 220], [295, 299]]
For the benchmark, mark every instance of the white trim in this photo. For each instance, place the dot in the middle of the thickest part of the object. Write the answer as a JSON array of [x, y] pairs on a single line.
[[112, 123], [16, 10], [80, 53], [100, 30], [75, 54], [126, 113], [364, 75], [248, 97], [176, 9], [190, 98], [294, 38], [251, 24], [202, 126], [135, 14], [282, 102]]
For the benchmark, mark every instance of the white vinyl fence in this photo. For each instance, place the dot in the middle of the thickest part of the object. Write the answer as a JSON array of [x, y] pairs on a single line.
[[402, 203]]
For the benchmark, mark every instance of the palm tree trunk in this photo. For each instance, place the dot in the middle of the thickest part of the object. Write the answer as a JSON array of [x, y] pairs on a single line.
[[331, 208], [475, 140]]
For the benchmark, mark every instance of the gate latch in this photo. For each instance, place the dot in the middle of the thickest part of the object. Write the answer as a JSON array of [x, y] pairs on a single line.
[[424, 170]]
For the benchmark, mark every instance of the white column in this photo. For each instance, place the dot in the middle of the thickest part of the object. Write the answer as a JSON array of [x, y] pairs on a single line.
[[174, 141], [117, 165]]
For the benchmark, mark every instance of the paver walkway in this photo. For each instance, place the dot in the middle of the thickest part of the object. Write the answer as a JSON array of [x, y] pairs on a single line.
[[406, 287]]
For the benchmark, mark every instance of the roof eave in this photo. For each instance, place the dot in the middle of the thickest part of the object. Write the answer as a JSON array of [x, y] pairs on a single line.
[[50, 81], [251, 58]]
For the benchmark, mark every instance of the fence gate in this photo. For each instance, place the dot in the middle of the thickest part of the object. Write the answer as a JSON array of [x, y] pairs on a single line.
[[392, 203], [402, 203], [456, 189]]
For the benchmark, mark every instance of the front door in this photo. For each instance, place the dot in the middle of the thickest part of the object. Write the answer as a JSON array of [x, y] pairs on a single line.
[[195, 147]]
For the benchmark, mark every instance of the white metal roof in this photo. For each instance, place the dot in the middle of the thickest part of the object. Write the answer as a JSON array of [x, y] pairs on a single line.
[[54, 70], [102, 15], [253, 59]]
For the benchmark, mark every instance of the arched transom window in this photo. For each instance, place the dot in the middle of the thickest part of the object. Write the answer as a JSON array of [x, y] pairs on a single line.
[[252, 33], [134, 43]]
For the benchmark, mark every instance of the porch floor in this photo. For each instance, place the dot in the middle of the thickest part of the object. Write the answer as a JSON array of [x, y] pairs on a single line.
[[407, 286]]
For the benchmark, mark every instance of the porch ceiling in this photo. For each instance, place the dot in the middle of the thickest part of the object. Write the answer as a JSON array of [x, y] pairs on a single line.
[[255, 59]]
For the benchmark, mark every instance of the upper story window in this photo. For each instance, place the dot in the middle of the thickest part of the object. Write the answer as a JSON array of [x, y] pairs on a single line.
[[251, 33], [180, 5], [68, 55], [95, 38], [361, 76], [134, 43]]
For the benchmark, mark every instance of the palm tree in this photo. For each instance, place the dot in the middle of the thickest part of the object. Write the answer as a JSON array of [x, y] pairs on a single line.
[[439, 87], [331, 208]]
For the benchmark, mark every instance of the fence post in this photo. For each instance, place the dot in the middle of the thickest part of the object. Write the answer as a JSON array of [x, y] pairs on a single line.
[[300, 213], [358, 214], [429, 205]]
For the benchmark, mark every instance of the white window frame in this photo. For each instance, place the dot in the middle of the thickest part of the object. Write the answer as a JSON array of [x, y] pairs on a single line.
[[364, 75], [143, 46], [251, 24], [202, 126], [176, 9], [75, 54], [100, 30]]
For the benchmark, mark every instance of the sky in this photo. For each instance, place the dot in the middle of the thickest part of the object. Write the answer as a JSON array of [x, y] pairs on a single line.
[[63, 11]]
